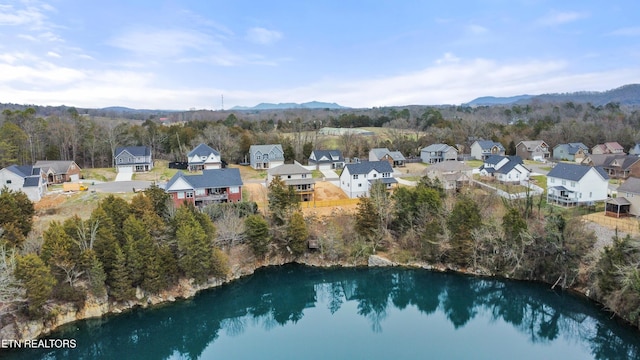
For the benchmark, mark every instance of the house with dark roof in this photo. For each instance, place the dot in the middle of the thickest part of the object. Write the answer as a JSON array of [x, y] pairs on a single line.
[[533, 150], [617, 166], [326, 159], [203, 157], [133, 159], [573, 184], [453, 175], [212, 186], [356, 179], [436, 153], [575, 151], [394, 158], [482, 149], [295, 176], [266, 156], [627, 203], [506, 169], [611, 147], [59, 171], [28, 179]]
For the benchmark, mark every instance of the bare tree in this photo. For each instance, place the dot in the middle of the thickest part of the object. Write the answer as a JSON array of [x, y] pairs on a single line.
[[11, 291]]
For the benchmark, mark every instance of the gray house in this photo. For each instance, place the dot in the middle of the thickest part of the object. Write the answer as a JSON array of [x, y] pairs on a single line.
[[571, 151], [133, 159], [436, 153], [482, 149], [326, 159], [266, 156]]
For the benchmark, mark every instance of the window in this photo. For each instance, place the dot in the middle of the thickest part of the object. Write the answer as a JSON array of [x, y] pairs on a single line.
[[258, 157], [573, 183], [189, 194], [180, 195], [375, 175], [553, 180], [564, 182], [288, 176], [590, 194], [304, 176], [8, 181], [355, 177], [359, 185]]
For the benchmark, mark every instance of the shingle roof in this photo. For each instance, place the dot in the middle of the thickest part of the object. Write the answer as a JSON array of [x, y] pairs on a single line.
[[366, 166], [32, 181], [436, 148], [379, 152], [328, 154], [203, 150], [532, 144], [396, 155], [488, 144], [494, 159], [288, 169], [210, 178], [134, 150], [631, 185], [574, 172], [58, 166], [449, 166]]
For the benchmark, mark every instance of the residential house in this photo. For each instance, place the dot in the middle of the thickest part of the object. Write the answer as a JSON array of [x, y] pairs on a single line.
[[212, 186], [533, 150], [295, 176], [133, 159], [356, 179], [573, 184], [395, 158], [628, 200], [575, 151], [28, 179], [453, 175], [203, 157], [482, 149], [619, 166], [506, 169], [326, 159], [266, 156], [607, 148], [59, 171], [436, 153]]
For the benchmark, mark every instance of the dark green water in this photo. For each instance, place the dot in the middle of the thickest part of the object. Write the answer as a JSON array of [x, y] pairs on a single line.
[[296, 312]]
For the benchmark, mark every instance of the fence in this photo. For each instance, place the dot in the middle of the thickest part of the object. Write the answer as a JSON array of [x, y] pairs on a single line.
[[329, 203], [628, 224]]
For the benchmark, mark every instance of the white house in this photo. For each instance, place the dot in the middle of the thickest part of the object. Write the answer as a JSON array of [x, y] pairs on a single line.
[[296, 176], [266, 156], [506, 169], [28, 179], [203, 157], [326, 159], [572, 184], [356, 179]]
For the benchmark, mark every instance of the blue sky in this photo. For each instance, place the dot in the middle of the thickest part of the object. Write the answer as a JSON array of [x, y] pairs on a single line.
[[187, 54]]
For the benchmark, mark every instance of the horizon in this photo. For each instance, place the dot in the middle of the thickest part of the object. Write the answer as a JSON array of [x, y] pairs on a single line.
[[190, 55]]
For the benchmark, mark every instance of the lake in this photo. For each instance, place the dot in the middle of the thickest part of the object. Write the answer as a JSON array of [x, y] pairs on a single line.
[[298, 312]]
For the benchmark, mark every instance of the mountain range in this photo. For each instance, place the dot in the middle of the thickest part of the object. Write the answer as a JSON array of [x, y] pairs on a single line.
[[625, 95], [281, 106]]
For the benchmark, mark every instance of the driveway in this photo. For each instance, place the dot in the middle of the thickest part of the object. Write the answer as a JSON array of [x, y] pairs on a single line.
[[121, 186], [329, 174], [124, 176]]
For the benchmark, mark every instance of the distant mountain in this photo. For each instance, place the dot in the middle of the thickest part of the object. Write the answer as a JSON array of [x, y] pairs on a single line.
[[283, 106], [492, 100], [625, 95]]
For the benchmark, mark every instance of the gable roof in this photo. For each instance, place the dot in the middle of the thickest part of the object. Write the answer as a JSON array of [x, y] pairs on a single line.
[[365, 167], [396, 155], [449, 166], [288, 169], [574, 172], [265, 149], [57, 166], [488, 144], [379, 153], [437, 147], [532, 144], [134, 150], [631, 185], [24, 170], [608, 160], [210, 178], [494, 159], [328, 155], [613, 146], [203, 150]]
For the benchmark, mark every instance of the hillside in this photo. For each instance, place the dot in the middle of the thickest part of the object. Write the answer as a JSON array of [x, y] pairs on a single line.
[[282, 106]]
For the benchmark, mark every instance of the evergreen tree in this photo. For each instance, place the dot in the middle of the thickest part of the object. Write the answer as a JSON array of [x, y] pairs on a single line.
[[367, 218], [283, 201], [119, 282], [195, 250], [16, 216], [105, 242], [159, 199], [37, 280], [297, 234], [513, 224], [61, 253], [464, 217], [139, 249], [97, 275], [117, 210], [257, 232]]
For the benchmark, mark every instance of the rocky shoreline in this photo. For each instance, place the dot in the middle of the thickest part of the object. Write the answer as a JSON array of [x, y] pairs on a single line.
[[20, 329]]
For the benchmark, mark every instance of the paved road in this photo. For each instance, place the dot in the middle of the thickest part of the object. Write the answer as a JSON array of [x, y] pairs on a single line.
[[120, 186]]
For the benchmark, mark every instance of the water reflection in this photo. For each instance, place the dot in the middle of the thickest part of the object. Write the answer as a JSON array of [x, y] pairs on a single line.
[[275, 297]]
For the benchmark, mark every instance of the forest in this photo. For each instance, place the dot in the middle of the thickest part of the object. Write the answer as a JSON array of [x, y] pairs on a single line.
[[145, 246]]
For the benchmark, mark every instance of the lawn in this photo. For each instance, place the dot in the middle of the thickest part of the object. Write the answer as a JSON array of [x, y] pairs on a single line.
[[540, 180]]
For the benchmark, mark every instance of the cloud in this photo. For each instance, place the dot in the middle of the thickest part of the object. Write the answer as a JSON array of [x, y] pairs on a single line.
[[555, 18], [629, 31], [161, 42], [31, 15], [53, 54], [263, 36], [477, 29], [447, 58]]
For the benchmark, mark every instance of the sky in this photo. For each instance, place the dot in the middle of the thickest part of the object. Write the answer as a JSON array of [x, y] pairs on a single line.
[[179, 55]]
